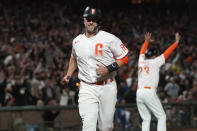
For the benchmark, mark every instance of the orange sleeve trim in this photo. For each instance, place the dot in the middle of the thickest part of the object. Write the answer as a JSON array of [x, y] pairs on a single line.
[[125, 59], [144, 47], [170, 50]]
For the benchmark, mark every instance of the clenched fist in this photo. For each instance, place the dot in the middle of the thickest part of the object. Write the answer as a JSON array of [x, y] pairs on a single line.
[[66, 79]]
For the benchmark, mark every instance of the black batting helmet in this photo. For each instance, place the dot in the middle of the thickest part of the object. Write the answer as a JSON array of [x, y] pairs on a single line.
[[151, 52], [92, 12]]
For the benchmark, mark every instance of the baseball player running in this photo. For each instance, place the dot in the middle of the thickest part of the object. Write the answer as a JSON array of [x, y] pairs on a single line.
[[97, 55], [148, 78]]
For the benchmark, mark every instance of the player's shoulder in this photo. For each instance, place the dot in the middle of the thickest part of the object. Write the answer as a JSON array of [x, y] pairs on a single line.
[[102, 32], [107, 34], [77, 38], [141, 58], [159, 60], [161, 57]]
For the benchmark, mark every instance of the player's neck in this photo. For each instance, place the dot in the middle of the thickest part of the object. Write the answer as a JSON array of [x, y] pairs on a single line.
[[89, 35]]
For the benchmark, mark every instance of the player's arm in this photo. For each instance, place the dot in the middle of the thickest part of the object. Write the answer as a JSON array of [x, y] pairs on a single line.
[[117, 64], [146, 43], [123, 61], [72, 67], [120, 53], [103, 70], [169, 51]]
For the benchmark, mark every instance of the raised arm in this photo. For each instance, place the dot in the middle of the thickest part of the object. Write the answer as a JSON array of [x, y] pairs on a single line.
[[146, 43], [169, 51]]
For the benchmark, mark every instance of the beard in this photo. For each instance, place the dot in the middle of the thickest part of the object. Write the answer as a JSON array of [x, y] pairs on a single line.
[[92, 30]]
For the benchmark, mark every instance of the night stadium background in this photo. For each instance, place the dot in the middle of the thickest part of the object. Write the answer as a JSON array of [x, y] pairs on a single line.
[[36, 41]]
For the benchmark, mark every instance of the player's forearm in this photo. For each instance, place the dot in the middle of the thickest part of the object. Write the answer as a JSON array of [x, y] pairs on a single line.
[[120, 63], [72, 66], [170, 50], [144, 47], [123, 61], [117, 64]]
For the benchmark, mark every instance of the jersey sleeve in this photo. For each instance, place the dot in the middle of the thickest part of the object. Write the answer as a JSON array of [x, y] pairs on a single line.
[[118, 48], [144, 47], [160, 60], [73, 54], [141, 57], [170, 50]]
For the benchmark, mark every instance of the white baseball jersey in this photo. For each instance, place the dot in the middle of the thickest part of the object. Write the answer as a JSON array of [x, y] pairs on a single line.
[[148, 71], [103, 48], [147, 99]]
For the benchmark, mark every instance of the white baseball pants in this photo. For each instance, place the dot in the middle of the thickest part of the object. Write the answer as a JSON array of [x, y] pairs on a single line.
[[97, 104], [147, 102]]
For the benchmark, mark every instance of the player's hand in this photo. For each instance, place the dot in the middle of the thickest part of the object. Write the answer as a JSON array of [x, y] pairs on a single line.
[[66, 79], [148, 37], [101, 70], [177, 37]]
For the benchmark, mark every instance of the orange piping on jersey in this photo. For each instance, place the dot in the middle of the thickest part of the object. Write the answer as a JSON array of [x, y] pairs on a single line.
[[125, 59], [147, 87], [170, 50], [144, 47]]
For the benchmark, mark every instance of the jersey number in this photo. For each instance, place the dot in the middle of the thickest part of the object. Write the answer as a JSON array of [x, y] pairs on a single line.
[[98, 49], [123, 47], [146, 68]]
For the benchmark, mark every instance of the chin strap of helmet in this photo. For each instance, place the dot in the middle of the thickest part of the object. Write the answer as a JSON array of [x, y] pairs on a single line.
[[96, 29]]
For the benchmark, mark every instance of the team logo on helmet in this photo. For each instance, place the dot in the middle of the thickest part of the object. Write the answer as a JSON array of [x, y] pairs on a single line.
[[93, 11]]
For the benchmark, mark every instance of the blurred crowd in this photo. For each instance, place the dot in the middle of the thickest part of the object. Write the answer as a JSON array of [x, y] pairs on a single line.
[[36, 42]]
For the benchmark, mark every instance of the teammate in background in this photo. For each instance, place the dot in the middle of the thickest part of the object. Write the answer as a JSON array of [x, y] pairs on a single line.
[[148, 78], [97, 55]]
